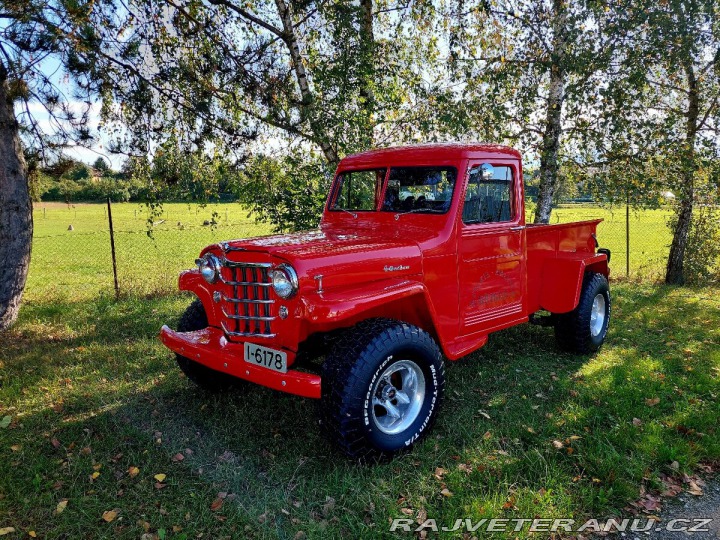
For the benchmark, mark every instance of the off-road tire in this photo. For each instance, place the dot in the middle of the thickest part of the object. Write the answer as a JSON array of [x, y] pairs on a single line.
[[572, 330], [351, 371], [193, 319]]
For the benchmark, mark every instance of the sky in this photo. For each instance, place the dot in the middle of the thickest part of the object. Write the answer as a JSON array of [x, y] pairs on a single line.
[[51, 68]]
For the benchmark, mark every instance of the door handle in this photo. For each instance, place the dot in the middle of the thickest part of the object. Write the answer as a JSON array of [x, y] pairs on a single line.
[[518, 228]]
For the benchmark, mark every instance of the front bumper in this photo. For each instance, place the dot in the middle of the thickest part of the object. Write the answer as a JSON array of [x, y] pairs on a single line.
[[210, 348]]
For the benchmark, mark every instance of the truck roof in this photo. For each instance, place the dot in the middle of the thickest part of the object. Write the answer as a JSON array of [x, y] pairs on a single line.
[[429, 152]]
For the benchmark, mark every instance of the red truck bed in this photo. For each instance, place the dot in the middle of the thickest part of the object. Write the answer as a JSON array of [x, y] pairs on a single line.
[[557, 256]]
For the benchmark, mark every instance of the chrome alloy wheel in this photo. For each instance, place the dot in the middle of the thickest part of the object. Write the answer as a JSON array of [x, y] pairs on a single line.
[[397, 397], [597, 315]]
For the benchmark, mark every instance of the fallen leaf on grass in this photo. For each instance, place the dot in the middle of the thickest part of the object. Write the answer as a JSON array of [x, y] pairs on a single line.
[[694, 489], [178, 457], [216, 504], [5, 422], [160, 477], [651, 402], [61, 506], [109, 515], [6, 530], [159, 485], [32, 534], [636, 422], [55, 442], [558, 444], [439, 473], [15, 447], [445, 492], [95, 475], [407, 511], [329, 505], [133, 472], [466, 468], [487, 435]]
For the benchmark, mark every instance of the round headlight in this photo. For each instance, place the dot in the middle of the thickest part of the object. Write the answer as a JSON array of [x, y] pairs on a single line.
[[209, 267], [285, 281]]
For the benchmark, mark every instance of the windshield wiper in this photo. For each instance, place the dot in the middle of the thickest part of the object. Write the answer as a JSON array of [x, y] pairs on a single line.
[[415, 210]]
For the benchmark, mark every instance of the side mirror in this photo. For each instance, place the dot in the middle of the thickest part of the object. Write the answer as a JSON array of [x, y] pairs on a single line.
[[487, 171]]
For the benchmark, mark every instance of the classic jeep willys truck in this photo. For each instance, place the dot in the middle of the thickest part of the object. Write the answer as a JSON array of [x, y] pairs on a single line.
[[421, 253]]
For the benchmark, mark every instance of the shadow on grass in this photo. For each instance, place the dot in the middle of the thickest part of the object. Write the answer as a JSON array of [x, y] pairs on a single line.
[[524, 431]]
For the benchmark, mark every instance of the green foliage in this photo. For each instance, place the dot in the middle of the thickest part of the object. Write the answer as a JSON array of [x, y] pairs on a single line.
[[101, 165], [288, 193], [702, 250]]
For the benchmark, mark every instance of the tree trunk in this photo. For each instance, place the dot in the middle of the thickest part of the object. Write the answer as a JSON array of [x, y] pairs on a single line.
[[367, 39], [553, 120], [16, 224], [675, 272], [308, 99]]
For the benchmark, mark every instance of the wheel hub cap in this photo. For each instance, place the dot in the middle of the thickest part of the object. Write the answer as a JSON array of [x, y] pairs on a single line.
[[398, 396], [597, 315]]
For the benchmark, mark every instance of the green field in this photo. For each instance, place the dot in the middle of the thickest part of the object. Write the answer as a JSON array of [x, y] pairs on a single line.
[[77, 264], [92, 407], [650, 236]]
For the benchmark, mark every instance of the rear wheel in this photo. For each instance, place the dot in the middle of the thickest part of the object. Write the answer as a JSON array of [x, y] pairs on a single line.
[[194, 319], [583, 330], [381, 388]]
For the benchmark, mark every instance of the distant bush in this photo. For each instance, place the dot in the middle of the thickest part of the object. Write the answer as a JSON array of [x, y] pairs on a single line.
[[93, 190]]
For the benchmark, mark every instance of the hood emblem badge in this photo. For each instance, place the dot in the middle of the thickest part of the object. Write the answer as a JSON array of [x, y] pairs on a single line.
[[398, 268], [318, 278]]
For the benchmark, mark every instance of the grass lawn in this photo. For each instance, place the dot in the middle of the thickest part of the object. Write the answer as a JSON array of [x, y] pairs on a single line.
[[92, 408], [98, 408]]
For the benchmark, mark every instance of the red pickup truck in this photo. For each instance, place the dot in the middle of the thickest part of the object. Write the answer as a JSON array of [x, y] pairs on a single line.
[[421, 253]]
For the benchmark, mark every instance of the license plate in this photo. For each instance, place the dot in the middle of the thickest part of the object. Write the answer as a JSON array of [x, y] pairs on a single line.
[[267, 358]]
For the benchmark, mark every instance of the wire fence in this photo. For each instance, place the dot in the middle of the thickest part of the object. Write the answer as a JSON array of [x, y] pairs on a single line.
[[73, 257]]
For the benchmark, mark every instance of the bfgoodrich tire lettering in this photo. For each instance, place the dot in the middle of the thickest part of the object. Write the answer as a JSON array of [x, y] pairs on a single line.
[[584, 329], [375, 360]]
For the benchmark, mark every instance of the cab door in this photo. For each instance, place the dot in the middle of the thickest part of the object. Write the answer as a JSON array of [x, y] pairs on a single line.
[[491, 247]]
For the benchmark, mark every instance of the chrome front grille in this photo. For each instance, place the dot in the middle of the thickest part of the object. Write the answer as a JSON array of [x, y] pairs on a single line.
[[246, 304]]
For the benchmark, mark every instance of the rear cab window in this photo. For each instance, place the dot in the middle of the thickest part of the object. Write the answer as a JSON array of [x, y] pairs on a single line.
[[420, 190]]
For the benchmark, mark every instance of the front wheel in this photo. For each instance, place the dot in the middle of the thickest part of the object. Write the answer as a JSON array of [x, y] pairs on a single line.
[[194, 319], [583, 330], [381, 388]]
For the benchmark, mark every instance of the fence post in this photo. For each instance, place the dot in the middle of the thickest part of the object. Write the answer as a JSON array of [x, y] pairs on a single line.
[[112, 249], [627, 235]]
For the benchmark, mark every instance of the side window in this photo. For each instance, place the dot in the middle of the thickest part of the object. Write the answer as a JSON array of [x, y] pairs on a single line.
[[358, 190], [488, 198]]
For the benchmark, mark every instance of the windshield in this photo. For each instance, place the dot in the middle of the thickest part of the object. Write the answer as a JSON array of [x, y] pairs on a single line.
[[420, 189], [358, 190]]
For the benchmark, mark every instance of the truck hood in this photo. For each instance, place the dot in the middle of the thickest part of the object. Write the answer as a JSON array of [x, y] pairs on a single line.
[[341, 257]]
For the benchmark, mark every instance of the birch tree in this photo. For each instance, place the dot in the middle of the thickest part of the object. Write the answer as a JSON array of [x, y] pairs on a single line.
[[662, 109], [534, 73]]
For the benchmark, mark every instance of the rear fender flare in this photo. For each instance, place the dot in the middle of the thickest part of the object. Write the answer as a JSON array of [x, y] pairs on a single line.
[[562, 279]]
